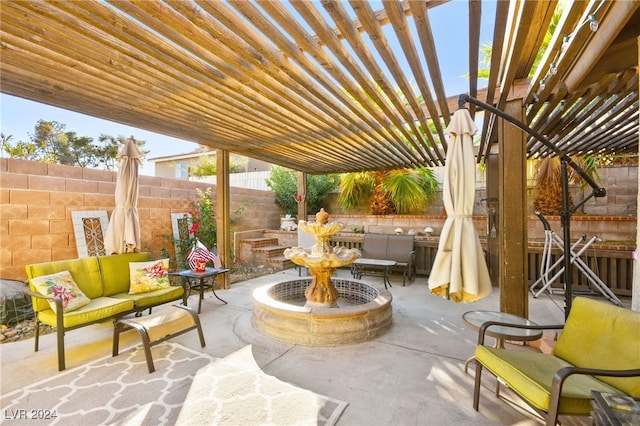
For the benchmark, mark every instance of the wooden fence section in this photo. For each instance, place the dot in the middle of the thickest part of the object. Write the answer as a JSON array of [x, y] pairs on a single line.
[[614, 266]]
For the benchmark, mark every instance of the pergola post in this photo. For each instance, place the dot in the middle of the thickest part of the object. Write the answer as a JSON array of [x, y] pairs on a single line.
[[302, 190], [635, 290], [493, 222], [223, 214], [512, 213]]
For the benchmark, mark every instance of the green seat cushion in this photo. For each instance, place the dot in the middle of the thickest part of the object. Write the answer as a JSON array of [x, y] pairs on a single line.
[[533, 376], [153, 298], [115, 271], [100, 308]]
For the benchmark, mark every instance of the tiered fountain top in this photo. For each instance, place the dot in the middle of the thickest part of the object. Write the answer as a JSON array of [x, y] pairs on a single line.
[[322, 259], [322, 254]]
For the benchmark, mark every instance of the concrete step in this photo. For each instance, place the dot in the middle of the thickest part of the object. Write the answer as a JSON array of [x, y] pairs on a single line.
[[271, 252], [281, 263]]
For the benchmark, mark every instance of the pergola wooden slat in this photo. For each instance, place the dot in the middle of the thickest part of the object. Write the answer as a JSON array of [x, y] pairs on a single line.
[[325, 86]]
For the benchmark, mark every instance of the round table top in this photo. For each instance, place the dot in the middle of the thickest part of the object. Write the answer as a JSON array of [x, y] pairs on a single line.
[[475, 319]]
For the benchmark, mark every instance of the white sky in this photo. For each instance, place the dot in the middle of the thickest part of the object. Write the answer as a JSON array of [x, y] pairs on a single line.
[[449, 22]]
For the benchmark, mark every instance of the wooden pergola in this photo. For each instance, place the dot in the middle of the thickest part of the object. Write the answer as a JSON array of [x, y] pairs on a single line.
[[333, 86]]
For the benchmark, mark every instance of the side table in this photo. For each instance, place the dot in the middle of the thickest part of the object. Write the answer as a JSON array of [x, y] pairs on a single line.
[[360, 268], [604, 415], [192, 279]]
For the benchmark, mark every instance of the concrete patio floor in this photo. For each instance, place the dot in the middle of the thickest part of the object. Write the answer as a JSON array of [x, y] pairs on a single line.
[[411, 375]]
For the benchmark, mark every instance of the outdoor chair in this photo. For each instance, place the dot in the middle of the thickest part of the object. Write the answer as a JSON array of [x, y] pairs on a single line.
[[398, 248], [306, 241], [597, 351]]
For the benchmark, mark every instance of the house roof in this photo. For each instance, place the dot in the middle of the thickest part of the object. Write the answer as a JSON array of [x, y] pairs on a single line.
[[184, 156], [303, 84]]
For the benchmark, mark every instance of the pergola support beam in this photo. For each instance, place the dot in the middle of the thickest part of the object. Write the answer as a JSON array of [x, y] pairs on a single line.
[[512, 213], [223, 215]]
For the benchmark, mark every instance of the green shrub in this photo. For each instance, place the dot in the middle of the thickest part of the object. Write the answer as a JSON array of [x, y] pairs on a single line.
[[285, 184]]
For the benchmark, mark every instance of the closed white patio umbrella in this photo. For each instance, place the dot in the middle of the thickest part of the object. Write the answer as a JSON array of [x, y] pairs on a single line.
[[459, 270], [123, 233]]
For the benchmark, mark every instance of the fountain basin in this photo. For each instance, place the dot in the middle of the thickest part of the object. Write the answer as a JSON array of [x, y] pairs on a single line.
[[363, 313]]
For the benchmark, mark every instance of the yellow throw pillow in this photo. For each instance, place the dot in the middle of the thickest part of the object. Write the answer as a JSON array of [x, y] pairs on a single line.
[[148, 276], [63, 286]]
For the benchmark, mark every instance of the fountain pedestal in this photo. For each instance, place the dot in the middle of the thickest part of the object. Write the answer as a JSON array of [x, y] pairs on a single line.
[[321, 292]]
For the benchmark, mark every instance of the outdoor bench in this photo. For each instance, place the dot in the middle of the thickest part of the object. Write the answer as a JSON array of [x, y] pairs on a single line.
[[159, 327], [105, 281], [598, 350], [397, 248]]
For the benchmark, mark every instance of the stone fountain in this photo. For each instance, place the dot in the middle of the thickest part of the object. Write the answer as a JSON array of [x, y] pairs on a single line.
[[322, 260], [321, 310]]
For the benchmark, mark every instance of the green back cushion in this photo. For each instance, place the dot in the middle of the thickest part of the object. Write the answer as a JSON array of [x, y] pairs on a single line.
[[375, 246], [399, 248], [601, 335], [115, 271], [85, 272]]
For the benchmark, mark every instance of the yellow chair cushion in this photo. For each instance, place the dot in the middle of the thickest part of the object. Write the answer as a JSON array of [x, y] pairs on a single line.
[[153, 298], [604, 336], [596, 335], [530, 375], [115, 271], [99, 308]]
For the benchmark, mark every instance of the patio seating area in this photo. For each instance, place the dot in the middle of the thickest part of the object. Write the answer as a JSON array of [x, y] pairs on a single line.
[[413, 374]]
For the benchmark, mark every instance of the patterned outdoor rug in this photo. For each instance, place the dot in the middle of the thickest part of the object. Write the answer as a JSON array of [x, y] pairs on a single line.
[[187, 388]]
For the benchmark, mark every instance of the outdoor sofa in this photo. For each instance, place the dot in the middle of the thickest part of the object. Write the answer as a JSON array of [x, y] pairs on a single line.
[[398, 248], [105, 281], [598, 350]]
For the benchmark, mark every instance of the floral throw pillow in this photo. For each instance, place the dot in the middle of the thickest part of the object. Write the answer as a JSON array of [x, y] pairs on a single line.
[[63, 286], [148, 276]]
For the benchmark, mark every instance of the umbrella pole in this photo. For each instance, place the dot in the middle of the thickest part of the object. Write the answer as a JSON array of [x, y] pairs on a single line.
[[565, 219], [567, 210]]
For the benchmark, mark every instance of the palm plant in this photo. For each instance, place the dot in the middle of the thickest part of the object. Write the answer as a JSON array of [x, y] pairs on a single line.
[[548, 200], [389, 192]]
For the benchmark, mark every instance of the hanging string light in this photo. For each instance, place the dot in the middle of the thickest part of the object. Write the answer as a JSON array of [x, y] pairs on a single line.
[[593, 23]]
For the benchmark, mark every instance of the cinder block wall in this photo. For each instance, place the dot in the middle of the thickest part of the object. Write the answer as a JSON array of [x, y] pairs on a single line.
[[36, 201]]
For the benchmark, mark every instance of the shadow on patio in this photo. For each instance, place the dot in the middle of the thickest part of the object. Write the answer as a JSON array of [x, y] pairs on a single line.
[[413, 374]]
